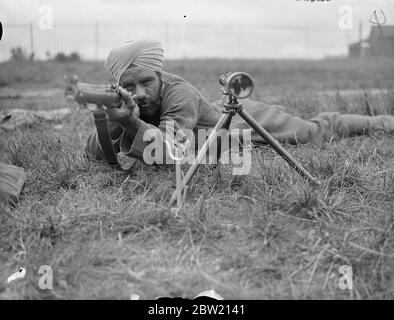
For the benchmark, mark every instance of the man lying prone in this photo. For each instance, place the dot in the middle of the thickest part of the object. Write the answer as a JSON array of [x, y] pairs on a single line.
[[160, 102]]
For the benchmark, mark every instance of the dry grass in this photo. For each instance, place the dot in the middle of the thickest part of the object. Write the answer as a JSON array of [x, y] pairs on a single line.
[[266, 235]]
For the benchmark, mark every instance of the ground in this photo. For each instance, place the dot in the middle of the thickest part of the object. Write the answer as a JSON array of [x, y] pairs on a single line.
[[266, 235]]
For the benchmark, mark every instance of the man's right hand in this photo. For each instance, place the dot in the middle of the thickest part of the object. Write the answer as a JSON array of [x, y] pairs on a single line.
[[127, 116], [128, 108]]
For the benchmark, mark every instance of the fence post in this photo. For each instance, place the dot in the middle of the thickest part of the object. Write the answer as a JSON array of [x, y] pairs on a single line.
[[96, 40], [167, 33], [239, 41], [31, 41], [184, 39]]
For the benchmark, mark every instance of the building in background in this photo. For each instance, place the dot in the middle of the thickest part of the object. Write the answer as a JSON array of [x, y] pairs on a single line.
[[359, 49], [379, 44]]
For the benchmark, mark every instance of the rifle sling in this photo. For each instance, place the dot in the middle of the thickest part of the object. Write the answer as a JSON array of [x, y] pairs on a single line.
[[104, 137]]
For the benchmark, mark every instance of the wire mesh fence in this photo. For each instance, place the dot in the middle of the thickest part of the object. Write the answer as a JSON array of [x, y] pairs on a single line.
[[93, 41]]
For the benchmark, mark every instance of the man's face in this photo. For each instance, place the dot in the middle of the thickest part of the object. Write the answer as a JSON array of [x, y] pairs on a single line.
[[146, 85]]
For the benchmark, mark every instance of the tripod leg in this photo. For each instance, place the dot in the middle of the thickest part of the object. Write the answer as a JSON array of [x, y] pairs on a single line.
[[224, 119], [275, 145], [226, 126]]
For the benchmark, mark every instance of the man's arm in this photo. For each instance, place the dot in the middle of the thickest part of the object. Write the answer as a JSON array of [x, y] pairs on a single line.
[[180, 108]]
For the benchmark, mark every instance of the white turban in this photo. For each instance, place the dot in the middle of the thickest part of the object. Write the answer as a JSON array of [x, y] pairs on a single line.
[[142, 53]]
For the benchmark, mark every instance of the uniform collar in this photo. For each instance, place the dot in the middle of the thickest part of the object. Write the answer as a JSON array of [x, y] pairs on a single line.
[[162, 90]]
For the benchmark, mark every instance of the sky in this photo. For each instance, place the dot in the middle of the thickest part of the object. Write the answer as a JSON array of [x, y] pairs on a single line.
[[188, 29]]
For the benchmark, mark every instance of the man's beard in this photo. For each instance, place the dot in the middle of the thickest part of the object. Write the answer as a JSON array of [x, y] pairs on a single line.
[[150, 112]]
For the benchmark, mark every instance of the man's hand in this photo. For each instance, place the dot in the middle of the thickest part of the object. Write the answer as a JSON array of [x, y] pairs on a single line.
[[128, 109], [127, 116]]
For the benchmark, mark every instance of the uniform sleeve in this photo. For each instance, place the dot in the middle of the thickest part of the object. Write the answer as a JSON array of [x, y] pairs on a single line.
[[180, 110]]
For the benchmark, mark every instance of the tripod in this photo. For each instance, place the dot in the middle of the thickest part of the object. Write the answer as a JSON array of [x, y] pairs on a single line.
[[230, 109]]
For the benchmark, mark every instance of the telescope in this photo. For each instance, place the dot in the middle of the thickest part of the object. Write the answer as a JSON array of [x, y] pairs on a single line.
[[237, 84]]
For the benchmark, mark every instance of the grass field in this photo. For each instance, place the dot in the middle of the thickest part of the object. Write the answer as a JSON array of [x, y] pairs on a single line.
[[267, 235]]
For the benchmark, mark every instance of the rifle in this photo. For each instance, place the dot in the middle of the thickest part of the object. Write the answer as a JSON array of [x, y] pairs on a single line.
[[86, 93], [103, 96]]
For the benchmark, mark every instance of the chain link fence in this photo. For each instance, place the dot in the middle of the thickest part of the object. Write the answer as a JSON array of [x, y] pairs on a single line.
[[180, 41]]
